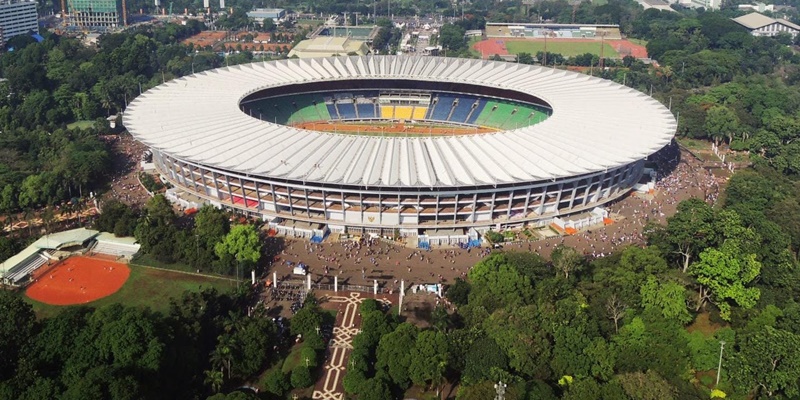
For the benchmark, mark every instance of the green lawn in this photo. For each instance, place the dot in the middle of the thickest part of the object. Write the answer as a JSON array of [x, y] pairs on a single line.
[[640, 42], [563, 47], [80, 124], [694, 144], [146, 287]]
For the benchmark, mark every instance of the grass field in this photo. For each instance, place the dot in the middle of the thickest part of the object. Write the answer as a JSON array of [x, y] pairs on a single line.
[[80, 124], [146, 287], [565, 48]]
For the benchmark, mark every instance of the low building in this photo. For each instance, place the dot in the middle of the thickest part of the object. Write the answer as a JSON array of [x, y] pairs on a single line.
[[327, 46], [757, 7], [260, 14], [18, 17], [762, 25]]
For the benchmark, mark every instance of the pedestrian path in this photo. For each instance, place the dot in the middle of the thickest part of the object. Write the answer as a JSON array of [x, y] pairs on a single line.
[[347, 326]]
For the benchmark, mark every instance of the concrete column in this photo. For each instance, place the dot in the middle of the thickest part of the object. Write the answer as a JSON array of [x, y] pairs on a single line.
[[375, 286], [308, 282], [275, 280], [335, 284], [402, 294], [253, 276]]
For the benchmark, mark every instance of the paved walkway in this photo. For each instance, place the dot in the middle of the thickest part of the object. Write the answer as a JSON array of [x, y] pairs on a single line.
[[348, 322]]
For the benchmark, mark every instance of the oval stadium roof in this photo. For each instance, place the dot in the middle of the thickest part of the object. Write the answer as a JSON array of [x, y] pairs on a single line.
[[596, 125]]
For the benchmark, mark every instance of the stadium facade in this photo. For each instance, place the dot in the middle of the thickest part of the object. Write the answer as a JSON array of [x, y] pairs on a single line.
[[557, 143]]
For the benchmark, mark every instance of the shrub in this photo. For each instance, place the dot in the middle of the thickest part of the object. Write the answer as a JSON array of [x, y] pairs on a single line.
[[277, 382], [301, 377], [494, 237]]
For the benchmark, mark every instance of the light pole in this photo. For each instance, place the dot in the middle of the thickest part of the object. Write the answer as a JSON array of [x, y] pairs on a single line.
[[500, 387], [719, 367]]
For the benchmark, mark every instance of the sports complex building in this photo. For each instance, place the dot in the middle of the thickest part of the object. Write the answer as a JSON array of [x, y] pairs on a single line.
[[381, 144]]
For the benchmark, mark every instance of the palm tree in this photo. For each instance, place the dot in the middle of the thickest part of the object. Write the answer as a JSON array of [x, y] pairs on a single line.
[[221, 356], [214, 379], [78, 208], [28, 216], [48, 216]]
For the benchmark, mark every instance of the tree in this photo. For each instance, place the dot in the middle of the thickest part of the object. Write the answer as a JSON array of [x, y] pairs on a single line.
[[567, 260], [393, 353], [301, 377], [30, 194], [374, 389], [646, 386], [525, 344], [482, 360], [724, 274], [667, 298], [458, 292], [17, 323], [428, 359], [451, 37], [277, 382], [156, 231], [721, 123], [242, 243], [525, 58], [214, 379], [615, 310], [767, 363], [210, 227], [48, 217], [687, 233], [496, 283], [307, 320], [254, 339]]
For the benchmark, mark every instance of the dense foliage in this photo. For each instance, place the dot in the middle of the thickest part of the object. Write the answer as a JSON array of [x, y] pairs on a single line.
[[206, 242], [120, 352]]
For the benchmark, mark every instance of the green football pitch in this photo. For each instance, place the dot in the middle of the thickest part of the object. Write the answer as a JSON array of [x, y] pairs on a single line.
[[563, 47]]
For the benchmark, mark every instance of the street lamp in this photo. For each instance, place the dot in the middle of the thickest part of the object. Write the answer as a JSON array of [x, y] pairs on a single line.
[[719, 367]]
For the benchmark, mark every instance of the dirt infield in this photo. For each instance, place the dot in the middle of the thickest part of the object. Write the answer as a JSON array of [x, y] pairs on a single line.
[[395, 129], [492, 46], [78, 280]]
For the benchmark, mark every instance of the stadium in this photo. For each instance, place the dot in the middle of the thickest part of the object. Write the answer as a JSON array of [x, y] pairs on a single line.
[[406, 145]]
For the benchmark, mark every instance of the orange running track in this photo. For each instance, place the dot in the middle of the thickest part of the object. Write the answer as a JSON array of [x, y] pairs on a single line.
[[78, 280]]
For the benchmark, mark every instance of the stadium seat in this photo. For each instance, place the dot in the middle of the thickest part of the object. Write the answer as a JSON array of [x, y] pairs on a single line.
[[462, 109], [419, 112], [347, 110], [403, 112], [387, 112], [365, 110], [332, 111], [444, 106], [476, 111]]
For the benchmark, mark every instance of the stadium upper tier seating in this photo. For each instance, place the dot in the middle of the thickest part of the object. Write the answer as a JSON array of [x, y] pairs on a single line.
[[444, 107]]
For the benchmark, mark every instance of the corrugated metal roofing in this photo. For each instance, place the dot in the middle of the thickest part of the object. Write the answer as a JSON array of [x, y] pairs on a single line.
[[596, 124]]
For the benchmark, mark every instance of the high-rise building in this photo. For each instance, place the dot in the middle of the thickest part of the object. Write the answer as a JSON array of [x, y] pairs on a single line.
[[96, 14], [18, 17]]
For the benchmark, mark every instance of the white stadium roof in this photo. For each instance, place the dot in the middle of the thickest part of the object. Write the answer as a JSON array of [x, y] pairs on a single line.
[[596, 124]]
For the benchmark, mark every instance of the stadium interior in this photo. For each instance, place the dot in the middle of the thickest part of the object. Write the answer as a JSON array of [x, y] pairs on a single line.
[[442, 108]]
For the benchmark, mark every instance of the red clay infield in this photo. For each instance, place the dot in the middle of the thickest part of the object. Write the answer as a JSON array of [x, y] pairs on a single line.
[[78, 280]]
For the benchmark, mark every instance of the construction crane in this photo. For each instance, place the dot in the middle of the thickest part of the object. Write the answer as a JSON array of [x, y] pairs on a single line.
[[64, 13]]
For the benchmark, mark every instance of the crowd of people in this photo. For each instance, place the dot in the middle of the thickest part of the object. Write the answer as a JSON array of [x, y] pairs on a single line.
[[361, 262], [125, 186]]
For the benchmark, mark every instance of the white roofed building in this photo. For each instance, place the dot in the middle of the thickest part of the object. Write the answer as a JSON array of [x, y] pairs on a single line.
[[328, 46], [762, 25], [209, 138]]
